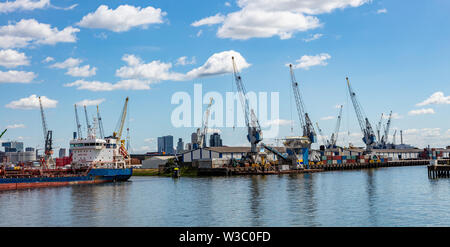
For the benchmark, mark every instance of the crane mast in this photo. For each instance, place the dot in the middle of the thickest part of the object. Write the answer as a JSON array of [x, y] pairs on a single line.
[[254, 135], [78, 123], [368, 135], [305, 121], [334, 136], [100, 124]]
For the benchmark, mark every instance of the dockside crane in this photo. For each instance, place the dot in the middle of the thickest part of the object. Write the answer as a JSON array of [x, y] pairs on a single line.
[[88, 125], [100, 124], [254, 133], [119, 128], [324, 139], [368, 135], [378, 127], [334, 136], [118, 132], [201, 134], [78, 123], [385, 137], [305, 121], [393, 138], [48, 138]]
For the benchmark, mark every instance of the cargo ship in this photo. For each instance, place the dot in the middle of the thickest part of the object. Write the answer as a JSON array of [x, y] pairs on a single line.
[[92, 160]]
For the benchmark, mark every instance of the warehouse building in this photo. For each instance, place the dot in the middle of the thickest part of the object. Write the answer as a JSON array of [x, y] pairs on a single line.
[[223, 152]]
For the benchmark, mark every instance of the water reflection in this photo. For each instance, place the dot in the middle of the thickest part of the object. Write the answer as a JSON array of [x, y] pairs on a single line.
[[401, 196], [371, 196]]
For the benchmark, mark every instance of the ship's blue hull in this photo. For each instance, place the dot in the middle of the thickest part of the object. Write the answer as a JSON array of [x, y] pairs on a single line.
[[94, 176]]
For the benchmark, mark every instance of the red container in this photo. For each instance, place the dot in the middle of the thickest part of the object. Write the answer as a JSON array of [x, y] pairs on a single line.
[[337, 157]]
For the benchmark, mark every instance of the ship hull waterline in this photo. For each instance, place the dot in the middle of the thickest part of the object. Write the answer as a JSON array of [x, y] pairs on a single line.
[[95, 176]]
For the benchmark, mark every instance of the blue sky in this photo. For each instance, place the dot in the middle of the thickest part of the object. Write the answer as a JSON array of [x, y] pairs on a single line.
[[394, 52]]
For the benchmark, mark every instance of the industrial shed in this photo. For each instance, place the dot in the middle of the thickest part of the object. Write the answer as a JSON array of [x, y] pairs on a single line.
[[223, 152]]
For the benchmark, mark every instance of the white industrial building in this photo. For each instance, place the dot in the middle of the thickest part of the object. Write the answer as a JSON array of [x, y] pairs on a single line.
[[155, 161], [223, 153], [397, 154]]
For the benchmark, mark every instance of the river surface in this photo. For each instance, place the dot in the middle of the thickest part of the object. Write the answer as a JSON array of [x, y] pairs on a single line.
[[402, 196]]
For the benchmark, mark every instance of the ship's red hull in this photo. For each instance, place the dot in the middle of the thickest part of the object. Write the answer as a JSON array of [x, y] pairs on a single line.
[[15, 186]]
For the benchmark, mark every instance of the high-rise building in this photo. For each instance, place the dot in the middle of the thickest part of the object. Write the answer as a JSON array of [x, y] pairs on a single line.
[[13, 146], [62, 152], [194, 137], [29, 149], [165, 144], [180, 145], [189, 146], [215, 140]]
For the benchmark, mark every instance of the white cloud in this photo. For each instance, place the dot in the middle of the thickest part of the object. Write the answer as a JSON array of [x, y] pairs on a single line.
[[123, 18], [14, 76], [228, 4], [98, 86], [10, 6], [48, 59], [219, 63], [279, 122], [12, 58], [199, 33], [71, 64], [30, 32], [327, 118], [212, 20], [213, 130], [138, 75], [184, 61], [436, 98], [90, 102], [313, 37], [84, 71], [32, 102], [268, 18], [394, 116], [382, 11], [68, 63], [154, 71], [306, 61], [15, 126], [426, 136], [421, 111]]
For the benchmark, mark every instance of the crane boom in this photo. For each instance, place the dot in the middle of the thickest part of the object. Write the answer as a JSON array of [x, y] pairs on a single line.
[[3, 133], [44, 123], [379, 127], [119, 127], [368, 134], [324, 140], [202, 136], [305, 121], [334, 136], [48, 138], [87, 121], [100, 124], [254, 135], [386, 130], [78, 123]]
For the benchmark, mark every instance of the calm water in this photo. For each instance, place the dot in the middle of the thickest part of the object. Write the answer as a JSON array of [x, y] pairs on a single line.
[[401, 196]]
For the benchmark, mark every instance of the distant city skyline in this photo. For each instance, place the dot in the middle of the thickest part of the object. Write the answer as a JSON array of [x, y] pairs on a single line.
[[95, 53]]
